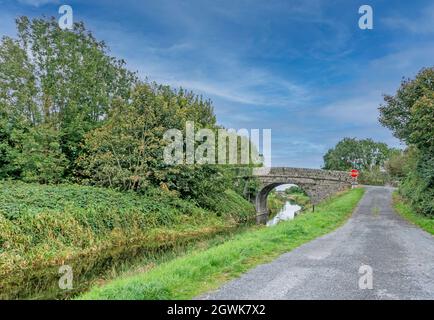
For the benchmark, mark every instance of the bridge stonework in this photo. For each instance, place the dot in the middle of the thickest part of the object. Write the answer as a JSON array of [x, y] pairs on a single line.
[[318, 184]]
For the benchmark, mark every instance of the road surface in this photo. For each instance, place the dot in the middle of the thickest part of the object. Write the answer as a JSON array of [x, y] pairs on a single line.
[[401, 257]]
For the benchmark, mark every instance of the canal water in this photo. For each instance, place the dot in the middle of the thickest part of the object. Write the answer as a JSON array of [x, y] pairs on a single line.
[[288, 212]]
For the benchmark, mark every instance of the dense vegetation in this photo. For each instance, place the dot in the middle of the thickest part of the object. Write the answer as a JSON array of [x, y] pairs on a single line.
[[42, 227], [369, 157], [410, 116], [82, 175], [406, 210], [55, 86], [200, 272], [69, 112]]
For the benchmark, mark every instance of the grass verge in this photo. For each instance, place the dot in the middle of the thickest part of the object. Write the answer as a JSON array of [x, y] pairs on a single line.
[[205, 270], [408, 213]]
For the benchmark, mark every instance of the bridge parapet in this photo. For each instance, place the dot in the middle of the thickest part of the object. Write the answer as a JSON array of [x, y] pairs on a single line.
[[315, 174]]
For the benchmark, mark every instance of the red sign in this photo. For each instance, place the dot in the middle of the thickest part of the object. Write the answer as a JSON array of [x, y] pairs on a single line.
[[354, 173]]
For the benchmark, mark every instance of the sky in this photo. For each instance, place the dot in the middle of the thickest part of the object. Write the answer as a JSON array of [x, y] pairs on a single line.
[[302, 68]]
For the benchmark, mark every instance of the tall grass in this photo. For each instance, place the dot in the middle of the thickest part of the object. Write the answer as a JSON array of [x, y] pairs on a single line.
[[204, 270], [409, 213], [44, 227]]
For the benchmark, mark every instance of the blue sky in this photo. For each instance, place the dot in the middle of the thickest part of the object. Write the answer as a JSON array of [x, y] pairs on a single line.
[[300, 67]]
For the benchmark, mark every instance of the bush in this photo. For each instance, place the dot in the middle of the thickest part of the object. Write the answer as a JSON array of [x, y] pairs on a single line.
[[295, 190], [418, 186], [410, 115], [374, 177]]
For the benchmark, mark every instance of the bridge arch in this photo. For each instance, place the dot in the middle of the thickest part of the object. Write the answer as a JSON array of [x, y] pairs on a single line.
[[318, 185]]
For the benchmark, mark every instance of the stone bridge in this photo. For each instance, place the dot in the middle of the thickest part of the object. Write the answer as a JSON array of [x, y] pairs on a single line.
[[318, 184]]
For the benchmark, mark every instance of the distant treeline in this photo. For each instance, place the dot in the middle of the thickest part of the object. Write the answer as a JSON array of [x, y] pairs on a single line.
[[369, 157]]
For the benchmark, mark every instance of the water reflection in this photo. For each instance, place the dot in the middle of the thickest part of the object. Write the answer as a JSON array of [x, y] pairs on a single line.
[[288, 212]]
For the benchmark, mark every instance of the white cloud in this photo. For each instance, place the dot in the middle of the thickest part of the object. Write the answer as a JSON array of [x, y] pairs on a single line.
[[266, 90], [205, 70]]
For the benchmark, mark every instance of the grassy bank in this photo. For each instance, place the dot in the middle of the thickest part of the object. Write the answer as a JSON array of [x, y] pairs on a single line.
[[93, 229], [204, 270], [407, 212]]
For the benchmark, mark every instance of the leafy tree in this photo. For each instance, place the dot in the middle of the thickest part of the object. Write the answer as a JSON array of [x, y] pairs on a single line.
[[398, 165], [357, 154], [399, 113], [60, 79], [127, 151], [71, 111], [38, 155], [409, 114]]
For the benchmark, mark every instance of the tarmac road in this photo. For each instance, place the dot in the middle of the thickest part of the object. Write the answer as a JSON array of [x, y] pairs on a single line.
[[401, 257]]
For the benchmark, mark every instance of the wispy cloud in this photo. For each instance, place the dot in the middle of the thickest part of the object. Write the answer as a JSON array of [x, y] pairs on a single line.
[[214, 70], [299, 67], [250, 87]]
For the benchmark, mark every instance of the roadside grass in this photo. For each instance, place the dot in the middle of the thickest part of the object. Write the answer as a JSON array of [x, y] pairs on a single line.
[[408, 213], [204, 270]]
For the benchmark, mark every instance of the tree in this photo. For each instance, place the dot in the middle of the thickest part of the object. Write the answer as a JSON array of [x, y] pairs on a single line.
[[409, 114], [398, 164], [71, 111], [58, 79], [351, 153], [399, 113], [127, 151], [38, 155]]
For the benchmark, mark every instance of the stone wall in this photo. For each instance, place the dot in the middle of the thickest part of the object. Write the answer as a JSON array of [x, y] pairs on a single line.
[[318, 184]]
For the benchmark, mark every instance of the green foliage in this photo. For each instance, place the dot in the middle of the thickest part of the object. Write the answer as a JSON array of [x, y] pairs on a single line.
[[374, 177], [410, 116], [398, 165], [398, 112], [351, 153], [71, 112], [294, 190], [275, 202], [55, 85], [127, 151], [368, 156], [39, 156], [407, 211], [43, 225], [229, 203], [202, 271], [418, 186]]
